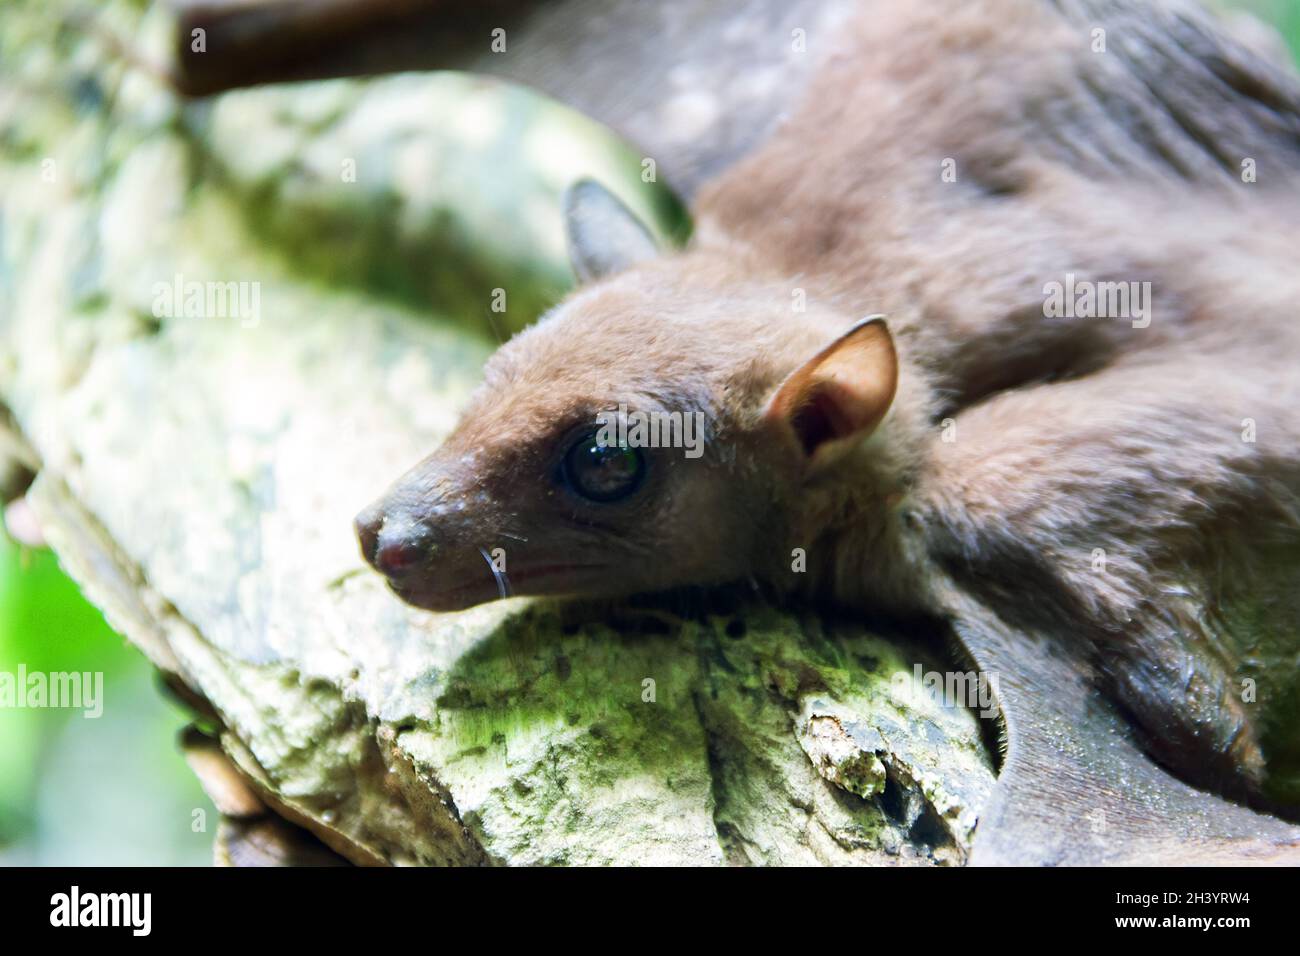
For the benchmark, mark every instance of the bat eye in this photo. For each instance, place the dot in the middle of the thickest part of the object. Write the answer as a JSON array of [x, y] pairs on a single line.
[[602, 473]]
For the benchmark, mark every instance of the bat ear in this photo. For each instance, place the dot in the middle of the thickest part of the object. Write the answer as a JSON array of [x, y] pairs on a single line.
[[602, 234], [841, 393]]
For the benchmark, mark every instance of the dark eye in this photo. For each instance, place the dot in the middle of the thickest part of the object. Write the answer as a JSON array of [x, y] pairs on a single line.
[[603, 472]]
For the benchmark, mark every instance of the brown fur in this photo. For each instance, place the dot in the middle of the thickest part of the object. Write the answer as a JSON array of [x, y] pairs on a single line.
[[1071, 434]]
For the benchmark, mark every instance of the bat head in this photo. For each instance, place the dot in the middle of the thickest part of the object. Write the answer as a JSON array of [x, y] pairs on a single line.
[[651, 431]]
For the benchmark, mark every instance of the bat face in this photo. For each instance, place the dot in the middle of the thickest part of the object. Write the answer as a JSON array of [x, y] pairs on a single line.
[[564, 512], [602, 456], [657, 429]]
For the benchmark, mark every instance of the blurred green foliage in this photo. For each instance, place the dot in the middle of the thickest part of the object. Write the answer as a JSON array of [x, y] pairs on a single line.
[[115, 790], [1283, 14], [78, 790]]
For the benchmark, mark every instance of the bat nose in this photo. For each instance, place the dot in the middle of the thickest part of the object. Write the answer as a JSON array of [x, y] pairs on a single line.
[[392, 544], [397, 555]]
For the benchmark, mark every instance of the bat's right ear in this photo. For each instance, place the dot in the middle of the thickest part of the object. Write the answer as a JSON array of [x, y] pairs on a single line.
[[840, 395], [602, 234]]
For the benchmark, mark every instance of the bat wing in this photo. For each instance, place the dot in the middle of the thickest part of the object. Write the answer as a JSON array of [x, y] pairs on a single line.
[[1076, 787]]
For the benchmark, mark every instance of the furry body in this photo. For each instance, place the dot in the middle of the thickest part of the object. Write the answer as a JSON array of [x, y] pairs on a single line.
[[1097, 480]]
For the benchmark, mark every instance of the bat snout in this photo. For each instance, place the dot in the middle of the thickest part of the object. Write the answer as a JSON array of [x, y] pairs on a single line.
[[395, 545]]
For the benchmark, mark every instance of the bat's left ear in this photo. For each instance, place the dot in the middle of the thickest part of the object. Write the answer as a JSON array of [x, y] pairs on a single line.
[[841, 394], [603, 235]]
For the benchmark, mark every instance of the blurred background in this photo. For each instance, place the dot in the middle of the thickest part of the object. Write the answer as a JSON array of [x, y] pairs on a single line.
[[116, 790]]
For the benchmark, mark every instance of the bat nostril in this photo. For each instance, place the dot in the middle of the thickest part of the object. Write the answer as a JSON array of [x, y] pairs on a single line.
[[396, 556], [401, 545]]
